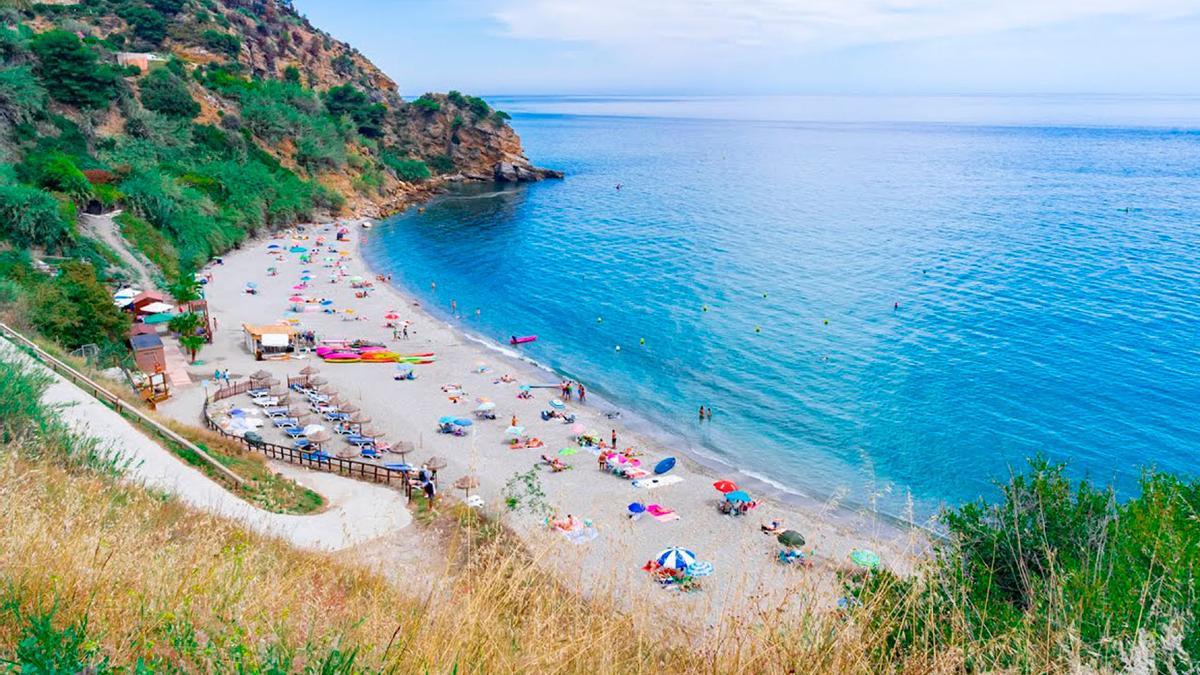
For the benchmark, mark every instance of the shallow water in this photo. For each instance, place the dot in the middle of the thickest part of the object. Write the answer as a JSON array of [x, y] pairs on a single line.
[[1047, 276]]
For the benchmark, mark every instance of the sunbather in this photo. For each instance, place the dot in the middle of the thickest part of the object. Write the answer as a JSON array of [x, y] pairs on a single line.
[[773, 527], [554, 463]]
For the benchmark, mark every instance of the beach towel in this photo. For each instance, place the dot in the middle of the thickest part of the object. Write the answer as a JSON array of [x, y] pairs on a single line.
[[580, 535], [660, 481], [661, 513]]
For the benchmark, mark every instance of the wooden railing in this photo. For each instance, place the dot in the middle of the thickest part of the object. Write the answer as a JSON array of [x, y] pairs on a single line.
[[112, 400], [352, 468]]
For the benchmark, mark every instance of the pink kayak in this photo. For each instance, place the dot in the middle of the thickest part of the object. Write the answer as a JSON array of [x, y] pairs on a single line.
[[520, 340]]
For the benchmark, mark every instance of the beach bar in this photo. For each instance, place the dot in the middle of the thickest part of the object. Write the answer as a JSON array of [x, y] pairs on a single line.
[[270, 340], [148, 352]]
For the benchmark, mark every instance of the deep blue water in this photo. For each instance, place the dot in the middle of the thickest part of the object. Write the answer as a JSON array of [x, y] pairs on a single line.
[[1046, 266]]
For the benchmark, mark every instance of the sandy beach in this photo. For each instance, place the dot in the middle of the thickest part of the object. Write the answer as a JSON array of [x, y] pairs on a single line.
[[746, 570]]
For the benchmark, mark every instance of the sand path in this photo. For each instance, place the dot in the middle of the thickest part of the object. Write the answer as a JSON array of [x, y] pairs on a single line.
[[356, 512]]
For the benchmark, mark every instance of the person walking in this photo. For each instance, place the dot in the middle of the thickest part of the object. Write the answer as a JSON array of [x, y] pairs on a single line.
[[582, 392], [614, 439]]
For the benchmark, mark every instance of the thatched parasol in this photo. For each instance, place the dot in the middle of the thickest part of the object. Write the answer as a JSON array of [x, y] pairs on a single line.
[[436, 463], [316, 381], [349, 408], [308, 370], [259, 375], [322, 436], [467, 483], [369, 432], [278, 390], [359, 418]]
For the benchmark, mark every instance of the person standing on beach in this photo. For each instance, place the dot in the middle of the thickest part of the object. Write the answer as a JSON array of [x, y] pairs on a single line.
[[582, 392], [514, 420], [614, 439]]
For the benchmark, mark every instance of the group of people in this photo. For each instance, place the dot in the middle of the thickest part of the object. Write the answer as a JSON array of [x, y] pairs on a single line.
[[567, 386], [705, 413]]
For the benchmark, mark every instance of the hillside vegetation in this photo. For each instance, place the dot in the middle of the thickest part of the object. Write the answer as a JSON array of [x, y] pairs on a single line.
[[245, 118]]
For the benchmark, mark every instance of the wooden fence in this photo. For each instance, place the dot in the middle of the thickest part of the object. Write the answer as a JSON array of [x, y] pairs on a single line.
[[352, 468]]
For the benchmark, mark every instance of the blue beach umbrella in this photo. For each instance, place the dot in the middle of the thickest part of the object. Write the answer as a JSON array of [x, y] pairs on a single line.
[[557, 404], [524, 387], [273, 246], [700, 569], [463, 422], [447, 419], [251, 284], [737, 496], [636, 508], [297, 249], [326, 303], [676, 558]]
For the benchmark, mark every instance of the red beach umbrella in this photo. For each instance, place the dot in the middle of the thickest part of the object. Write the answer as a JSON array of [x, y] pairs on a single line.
[[725, 486]]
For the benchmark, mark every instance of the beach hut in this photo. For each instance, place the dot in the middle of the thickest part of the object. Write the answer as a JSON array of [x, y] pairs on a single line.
[[148, 352], [149, 302], [265, 341]]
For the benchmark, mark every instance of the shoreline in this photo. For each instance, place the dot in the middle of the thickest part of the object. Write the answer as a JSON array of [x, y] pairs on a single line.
[[743, 557], [843, 509]]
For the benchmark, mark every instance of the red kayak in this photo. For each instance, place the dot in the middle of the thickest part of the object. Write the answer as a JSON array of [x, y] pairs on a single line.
[[520, 340]]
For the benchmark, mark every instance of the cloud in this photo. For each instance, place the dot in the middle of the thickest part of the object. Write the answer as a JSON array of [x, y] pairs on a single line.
[[725, 25]]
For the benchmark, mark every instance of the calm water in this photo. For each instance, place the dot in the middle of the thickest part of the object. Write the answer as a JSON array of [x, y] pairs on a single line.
[[1045, 255]]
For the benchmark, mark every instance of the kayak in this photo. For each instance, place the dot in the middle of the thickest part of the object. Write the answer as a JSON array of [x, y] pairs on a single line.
[[379, 357], [664, 466], [520, 340]]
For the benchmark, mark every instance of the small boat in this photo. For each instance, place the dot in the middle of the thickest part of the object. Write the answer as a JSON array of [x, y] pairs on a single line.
[[520, 340], [664, 466]]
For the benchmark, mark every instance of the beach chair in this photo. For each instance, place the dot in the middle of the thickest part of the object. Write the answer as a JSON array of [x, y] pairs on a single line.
[[285, 422], [359, 441], [293, 432], [301, 443], [261, 391], [368, 452], [277, 411], [266, 401], [336, 416]]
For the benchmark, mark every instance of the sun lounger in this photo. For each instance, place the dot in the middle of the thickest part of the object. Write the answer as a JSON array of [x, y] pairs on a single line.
[[266, 401], [261, 391], [293, 432], [277, 411], [285, 422], [336, 416], [354, 439], [656, 482], [301, 443], [369, 453], [317, 456]]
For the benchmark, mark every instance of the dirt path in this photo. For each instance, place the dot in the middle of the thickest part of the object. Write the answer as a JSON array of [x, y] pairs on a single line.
[[106, 229]]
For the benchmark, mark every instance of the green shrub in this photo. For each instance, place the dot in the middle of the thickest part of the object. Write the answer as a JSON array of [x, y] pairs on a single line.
[[71, 72], [349, 101], [75, 309], [56, 171], [406, 169], [441, 164], [31, 217], [163, 91], [427, 104], [22, 97], [222, 43], [148, 24], [291, 74]]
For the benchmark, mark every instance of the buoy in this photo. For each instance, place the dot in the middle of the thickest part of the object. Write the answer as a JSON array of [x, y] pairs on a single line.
[[764, 295], [757, 329], [599, 319], [826, 322], [704, 307], [618, 347], [643, 340]]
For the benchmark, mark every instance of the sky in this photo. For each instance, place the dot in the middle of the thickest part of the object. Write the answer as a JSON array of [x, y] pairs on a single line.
[[673, 47]]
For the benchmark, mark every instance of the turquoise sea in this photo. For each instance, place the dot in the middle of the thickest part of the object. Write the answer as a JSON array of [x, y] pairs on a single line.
[[887, 301]]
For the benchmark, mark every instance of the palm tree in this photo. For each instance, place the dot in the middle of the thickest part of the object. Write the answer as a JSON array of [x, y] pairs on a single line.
[[186, 324], [185, 288]]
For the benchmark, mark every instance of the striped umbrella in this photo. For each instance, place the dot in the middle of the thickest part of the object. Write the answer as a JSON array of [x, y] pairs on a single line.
[[676, 558]]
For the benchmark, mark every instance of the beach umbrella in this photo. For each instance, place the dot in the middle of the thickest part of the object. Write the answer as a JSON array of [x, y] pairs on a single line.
[[435, 463], [463, 422], [360, 418], [402, 448], [557, 404], [446, 419], [636, 508], [567, 452], [296, 298], [348, 408], [369, 432], [486, 406], [676, 558], [700, 569], [297, 249], [299, 287], [326, 303], [515, 432], [391, 316], [724, 486], [251, 284], [259, 375], [865, 558], [313, 429], [467, 483], [273, 246], [316, 381], [791, 538], [309, 370], [320, 437], [524, 387], [737, 496]]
